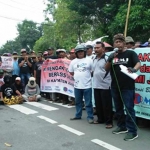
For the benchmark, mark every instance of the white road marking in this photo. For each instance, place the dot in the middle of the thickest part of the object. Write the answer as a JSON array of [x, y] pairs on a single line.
[[23, 109], [105, 145], [60, 104], [47, 119], [71, 130], [42, 106]]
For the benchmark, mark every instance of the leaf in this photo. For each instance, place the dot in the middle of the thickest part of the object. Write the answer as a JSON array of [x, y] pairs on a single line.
[[8, 145]]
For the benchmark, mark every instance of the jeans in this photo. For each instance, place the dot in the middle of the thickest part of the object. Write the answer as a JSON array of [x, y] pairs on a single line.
[[24, 78], [87, 93], [129, 120]]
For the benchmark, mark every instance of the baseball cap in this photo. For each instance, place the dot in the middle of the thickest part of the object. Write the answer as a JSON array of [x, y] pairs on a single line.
[[15, 53], [50, 48], [23, 50], [129, 39], [62, 50], [45, 53], [72, 51], [18, 78]]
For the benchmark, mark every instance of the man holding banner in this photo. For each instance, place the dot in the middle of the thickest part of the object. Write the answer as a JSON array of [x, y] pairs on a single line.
[[81, 69]]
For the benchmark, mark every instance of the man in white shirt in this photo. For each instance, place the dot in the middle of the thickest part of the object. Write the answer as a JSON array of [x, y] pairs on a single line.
[[81, 69], [89, 52]]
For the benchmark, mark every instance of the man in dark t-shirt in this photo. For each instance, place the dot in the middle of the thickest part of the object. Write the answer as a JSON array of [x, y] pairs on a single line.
[[37, 69], [123, 87], [25, 65]]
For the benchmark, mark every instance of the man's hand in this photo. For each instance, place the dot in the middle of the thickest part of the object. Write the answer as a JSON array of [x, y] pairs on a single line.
[[131, 70], [112, 56]]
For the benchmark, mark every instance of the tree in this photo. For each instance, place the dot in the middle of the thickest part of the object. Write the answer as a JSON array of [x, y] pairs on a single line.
[[10, 46], [29, 33]]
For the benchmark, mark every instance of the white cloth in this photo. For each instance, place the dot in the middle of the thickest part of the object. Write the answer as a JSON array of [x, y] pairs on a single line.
[[91, 56], [82, 69]]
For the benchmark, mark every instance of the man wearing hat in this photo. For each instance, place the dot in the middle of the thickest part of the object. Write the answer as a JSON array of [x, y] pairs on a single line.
[[123, 87], [72, 54], [16, 68], [25, 65], [129, 42], [89, 51]]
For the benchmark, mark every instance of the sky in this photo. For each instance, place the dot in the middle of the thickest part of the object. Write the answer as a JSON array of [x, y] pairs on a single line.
[[13, 12]]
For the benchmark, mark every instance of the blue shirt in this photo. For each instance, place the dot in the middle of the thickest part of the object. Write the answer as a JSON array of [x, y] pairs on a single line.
[[16, 68]]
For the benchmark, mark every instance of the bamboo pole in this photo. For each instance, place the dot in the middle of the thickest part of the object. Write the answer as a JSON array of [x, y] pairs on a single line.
[[127, 18]]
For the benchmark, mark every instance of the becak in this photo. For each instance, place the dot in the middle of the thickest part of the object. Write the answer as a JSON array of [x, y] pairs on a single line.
[[32, 91]]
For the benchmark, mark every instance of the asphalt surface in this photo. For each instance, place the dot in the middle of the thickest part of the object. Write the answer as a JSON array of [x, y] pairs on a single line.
[[27, 130]]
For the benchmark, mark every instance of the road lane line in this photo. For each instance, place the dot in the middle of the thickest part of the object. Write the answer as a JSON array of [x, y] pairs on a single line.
[[47, 119], [60, 104], [42, 106], [104, 144], [71, 130], [23, 109]]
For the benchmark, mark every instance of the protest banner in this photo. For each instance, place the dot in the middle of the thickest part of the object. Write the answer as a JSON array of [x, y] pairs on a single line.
[[56, 78], [7, 63], [142, 84]]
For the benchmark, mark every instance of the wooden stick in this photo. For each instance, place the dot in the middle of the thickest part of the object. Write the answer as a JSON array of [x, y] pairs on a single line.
[[127, 18]]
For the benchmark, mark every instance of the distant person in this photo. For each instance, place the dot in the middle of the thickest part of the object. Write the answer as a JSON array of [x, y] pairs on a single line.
[[129, 43], [32, 91], [16, 68], [25, 66], [89, 51], [51, 54]]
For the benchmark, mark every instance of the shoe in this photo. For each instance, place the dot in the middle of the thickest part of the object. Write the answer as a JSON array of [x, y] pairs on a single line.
[[130, 137], [90, 121], [75, 118], [120, 130]]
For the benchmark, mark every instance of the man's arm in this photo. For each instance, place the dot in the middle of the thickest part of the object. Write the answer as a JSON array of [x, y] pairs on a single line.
[[1, 95], [29, 63]]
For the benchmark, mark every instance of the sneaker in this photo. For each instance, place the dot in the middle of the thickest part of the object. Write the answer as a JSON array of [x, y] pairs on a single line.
[[90, 121], [119, 130], [130, 137]]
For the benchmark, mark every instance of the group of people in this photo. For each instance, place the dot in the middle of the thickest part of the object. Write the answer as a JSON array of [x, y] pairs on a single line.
[[94, 72]]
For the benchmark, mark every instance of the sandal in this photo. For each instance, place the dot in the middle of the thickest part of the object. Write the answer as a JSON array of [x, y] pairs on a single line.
[[109, 126]]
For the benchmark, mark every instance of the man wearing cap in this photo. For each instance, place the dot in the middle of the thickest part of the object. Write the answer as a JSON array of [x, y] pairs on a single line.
[[25, 65], [129, 43], [72, 54], [89, 52], [17, 86], [81, 69], [16, 68], [123, 87]]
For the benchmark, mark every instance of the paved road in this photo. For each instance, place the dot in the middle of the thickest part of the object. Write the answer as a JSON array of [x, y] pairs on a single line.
[[46, 126]]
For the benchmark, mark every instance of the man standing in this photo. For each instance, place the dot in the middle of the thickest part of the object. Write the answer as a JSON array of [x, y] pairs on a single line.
[[89, 51], [16, 68], [25, 65], [81, 69], [101, 86], [51, 55], [123, 87], [37, 70]]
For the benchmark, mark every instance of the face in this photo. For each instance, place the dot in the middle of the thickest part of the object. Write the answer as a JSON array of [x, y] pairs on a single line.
[[89, 51], [129, 45], [39, 58], [62, 54], [99, 50], [50, 52], [72, 55], [18, 82], [80, 54], [24, 53], [119, 44]]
